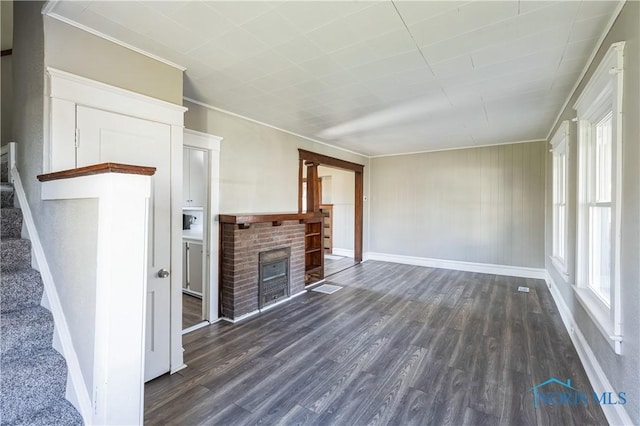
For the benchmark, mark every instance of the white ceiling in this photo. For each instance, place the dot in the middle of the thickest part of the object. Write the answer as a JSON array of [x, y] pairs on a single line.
[[373, 77]]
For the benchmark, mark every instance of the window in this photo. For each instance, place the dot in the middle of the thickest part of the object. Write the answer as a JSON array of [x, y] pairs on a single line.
[[559, 149], [599, 185], [599, 210]]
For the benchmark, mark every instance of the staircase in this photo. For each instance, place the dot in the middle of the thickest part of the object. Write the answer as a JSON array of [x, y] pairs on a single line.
[[33, 375]]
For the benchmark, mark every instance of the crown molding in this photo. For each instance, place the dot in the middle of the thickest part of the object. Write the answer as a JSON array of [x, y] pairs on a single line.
[[48, 10]]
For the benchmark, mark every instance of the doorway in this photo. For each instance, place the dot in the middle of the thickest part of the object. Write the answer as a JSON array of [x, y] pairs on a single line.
[[195, 171], [337, 204], [334, 189], [200, 209]]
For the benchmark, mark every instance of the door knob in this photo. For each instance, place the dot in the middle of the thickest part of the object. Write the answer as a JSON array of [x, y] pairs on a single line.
[[163, 273]]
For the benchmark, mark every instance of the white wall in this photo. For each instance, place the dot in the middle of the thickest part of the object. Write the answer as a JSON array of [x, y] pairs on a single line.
[[341, 193]]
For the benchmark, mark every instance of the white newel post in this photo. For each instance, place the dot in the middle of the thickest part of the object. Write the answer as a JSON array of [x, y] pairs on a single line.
[[121, 285]]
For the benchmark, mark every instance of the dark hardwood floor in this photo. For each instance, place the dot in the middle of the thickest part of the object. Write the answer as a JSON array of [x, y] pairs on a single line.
[[333, 266], [191, 310], [398, 345]]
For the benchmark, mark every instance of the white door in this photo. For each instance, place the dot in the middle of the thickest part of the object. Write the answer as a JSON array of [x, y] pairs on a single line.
[[109, 137]]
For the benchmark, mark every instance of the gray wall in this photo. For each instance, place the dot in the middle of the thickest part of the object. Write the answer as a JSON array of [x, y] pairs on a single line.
[[477, 205], [79, 52], [623, 371], [6, 83], [6, 106], [67, 229], [341, 193], [259, 164]]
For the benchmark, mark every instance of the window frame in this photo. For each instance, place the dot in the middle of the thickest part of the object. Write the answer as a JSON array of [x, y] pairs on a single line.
[[560, 152], [602, 94]]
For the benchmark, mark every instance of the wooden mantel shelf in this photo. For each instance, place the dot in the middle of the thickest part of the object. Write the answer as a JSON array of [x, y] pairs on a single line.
[[98, 169], [245, 220]]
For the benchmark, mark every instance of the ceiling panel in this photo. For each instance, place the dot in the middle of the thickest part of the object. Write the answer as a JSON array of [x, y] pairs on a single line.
[[377, 77]]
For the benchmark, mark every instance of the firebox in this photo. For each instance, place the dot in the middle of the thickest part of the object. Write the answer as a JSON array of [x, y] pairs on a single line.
[[273, 283]]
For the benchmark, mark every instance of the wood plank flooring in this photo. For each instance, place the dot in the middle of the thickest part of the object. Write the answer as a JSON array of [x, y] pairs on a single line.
[[191, 310], [398, 345], [333, 266]]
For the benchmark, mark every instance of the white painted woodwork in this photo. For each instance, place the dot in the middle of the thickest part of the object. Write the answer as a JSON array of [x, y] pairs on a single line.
[[106, 136], [194, 183], [195, 266], [121, 286], [211, 226], [75, 90]]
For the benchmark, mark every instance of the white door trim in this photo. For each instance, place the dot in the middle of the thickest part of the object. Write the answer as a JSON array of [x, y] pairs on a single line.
[[65, 91], [210, 143]]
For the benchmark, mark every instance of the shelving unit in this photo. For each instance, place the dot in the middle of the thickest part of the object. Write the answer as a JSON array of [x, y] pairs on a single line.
[[314, 250], [327, 217]]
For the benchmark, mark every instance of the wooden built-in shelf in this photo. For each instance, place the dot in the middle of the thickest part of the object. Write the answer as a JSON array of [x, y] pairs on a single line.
[[97, 169]]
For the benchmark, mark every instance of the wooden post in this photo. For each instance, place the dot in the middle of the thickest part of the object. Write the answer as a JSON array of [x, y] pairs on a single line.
[[313, 196], [359, 208]]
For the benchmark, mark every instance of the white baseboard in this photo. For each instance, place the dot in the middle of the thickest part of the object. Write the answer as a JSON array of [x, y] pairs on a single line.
[[342, 252], [195, 327], [456, 265], [616, 414], [77, 393]]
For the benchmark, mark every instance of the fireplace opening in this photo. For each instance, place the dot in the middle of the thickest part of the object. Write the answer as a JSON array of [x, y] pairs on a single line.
[[273, 282]]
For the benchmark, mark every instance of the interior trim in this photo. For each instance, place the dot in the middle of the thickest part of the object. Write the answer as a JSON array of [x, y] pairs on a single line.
[[615, 414], [358, 169], [458, 265], [613, 19], [48, 11], [211, 107], [98, 169]]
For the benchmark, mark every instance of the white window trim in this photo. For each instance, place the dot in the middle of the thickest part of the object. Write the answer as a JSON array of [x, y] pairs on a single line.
[[603, 91], [560, 145]]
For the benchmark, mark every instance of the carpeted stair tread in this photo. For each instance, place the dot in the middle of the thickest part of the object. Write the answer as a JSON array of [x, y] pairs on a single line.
[[4, 172], [15, 253], [33, 374], [20, 289], [25, 330], [60, 413], [6, 195], [10, 223], [30, 383]]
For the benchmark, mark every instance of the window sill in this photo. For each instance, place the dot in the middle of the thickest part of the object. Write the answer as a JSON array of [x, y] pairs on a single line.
[[601, 316], [560, 267]]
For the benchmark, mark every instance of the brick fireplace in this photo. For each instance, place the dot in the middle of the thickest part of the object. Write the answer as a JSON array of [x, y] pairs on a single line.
[[243, 239]]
